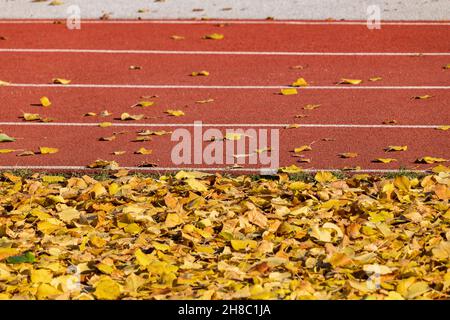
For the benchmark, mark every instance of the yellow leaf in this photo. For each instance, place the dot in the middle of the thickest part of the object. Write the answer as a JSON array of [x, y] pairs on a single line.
[[396, 148], [45, 102], [99, 190], [125, 116], [107, 289], [8, 252], [243, 244], [53, 179], [430, 160], [324, 177], [214, 36], [311, 106], [443, 128], [60, 81], [348, 155], [48, 227], [373, 79], [291, 169], [105, 124], [90, 114], [422, 97], [350, 81], [385, 160], [200, 73], [97, 242], [300, 82], [142, 258], [4, 83], [173, 220], [41, 276], [31, 116], [144, 151], [133, 228], [302, 148], [440, 168], [47, 150], [46, 291], [118, 153], [113, 188], [6, 150], [175, 113], [105, 268], [447, 66], [293, 126], [196, 185], [145, 104], [288, 91], [69, 214]]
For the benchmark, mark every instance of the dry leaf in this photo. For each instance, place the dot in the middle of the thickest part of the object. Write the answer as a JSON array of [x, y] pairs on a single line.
[[300, 82], [350, 81], [288, 91]]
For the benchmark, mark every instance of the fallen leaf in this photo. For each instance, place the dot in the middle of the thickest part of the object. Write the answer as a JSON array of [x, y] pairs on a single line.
[[60, 81], [239, 245], [90, 114], [5, 138], [348, 155], [288, 91], [373, 79], [175, 37], [105, 124], [430, 160], [145, 104], [125, 116], [2, 151], [4, 83], [214, 36], [422, 97], [104, 164], [390, 122], [55, 3], [143, 151], [293, 126], [302, 148], [47, 150], [350, 81], [135, 67], [118, 153], [311, 106], [300, 82], [384, 160], [107, 289], [396, 148], [110, 138], [204, 101], [443, 128], [175, 113], [324, 176], [199, 73], [291, 169], [31, 116]]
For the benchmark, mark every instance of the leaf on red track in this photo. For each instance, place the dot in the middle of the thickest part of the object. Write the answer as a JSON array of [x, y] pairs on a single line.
[[443, 128], [31, 116], [200, 73], [60, 81], [373, 79], [48, 150], [430, 160], [288, 91], [126, 116], [45, 102], [4, 83], [205, 101], [214, 36], [175, 113], [346, 155], [396, 148], [384, 160], [350, 81], [300, 82], [143, 151], [424, 97], [311, 106]]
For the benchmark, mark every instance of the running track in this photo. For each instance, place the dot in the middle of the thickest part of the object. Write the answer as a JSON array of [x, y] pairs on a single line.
[[247, 70]]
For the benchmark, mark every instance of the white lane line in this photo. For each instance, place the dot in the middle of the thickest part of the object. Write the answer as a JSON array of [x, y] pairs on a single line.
[[188, 52], [250, 22], [200, 169], [231, 125], [168, 86]]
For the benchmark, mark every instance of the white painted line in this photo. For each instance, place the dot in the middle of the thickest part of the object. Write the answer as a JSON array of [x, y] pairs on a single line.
[[271, 53], [250, 22], [168, 86], [230, 125], [198, 169]]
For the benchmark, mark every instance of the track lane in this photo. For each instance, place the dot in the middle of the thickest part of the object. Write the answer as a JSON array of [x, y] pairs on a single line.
[[238, 37], [81, 147], [95, 68], [231, 106]]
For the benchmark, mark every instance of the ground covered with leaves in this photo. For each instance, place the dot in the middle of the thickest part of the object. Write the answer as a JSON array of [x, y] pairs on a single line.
[[199, 236]]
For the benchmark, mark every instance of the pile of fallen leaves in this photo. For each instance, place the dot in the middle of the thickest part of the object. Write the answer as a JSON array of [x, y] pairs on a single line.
[[201, 236]]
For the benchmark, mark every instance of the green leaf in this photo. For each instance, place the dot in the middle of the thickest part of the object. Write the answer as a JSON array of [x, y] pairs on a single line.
[[5, 138], [27, 257]]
